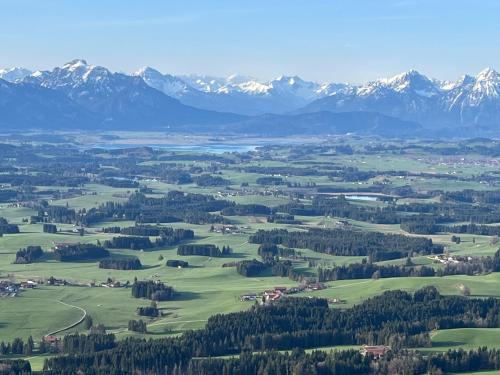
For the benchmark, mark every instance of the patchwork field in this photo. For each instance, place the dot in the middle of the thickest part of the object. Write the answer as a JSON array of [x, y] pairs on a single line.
[[280, 180]]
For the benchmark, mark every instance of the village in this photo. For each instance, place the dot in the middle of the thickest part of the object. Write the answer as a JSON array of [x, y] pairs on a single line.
[[10, 288], [272, 295], [449, 259]]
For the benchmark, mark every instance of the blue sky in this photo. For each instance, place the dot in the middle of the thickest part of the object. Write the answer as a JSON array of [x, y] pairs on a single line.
[[348, 41]]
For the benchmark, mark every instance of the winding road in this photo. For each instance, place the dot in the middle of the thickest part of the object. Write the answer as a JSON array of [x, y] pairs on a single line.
[[72, 324]]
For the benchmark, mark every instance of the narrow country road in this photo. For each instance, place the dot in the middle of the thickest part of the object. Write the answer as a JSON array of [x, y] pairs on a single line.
[[72, 324]]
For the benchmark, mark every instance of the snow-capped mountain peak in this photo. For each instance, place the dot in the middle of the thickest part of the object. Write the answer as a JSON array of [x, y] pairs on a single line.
[[14, 74], [252, 87], [413, 81], [236, 79], [147, 71], [488, 74], [461, 82], [289, 80], [409, 95], [75, 64], [407, 83], [166, 83], [485, 87]]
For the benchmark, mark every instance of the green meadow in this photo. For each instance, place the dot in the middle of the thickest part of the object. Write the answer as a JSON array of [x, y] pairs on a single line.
[[207, 288]]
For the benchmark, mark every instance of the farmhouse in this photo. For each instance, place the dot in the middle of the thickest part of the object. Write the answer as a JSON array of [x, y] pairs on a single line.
[[342, 224], [8, 289], [59, 245], [111, 284], [377, 350], [29, 284], [316, 286], [271, 296], [51, 340], [56, 282], [336, 301], [248, 297], [450, 259]]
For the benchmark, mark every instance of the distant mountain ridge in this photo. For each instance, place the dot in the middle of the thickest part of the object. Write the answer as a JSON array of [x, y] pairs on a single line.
[[244, 95], [326, 123], [14, 74], [469, 101], [25, 105], [79, 95], [119, 100]]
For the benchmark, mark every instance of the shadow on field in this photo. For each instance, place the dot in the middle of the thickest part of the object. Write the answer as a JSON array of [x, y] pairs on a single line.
[[234, 256], [447, 343], [145, 267], [167, 330], [186, 296]]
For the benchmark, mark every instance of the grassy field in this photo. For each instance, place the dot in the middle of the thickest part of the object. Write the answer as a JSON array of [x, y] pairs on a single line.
[[206, 288], [466, 338], [37, 312]]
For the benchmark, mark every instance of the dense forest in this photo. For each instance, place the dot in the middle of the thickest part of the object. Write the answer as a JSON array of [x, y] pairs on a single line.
[[76, 252], [153, 290], [6, 228], [125, 198], [177, 263], [350, 362], [395, 318], [207, 250], [29, 254], [131, 263], [469, 266], [378, 246]]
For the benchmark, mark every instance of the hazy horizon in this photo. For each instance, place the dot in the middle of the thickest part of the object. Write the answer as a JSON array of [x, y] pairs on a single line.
[[323, 41], [249, 76]]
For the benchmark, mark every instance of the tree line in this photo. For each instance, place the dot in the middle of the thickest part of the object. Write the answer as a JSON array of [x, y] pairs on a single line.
[[153, 290], [79, 251], [396, 318], [29, 254], [7, 228], [378, 246], [130, 263], [207, 250], [469, 266]]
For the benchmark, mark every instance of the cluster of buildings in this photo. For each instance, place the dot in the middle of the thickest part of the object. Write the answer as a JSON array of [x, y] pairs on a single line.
[[377, 351], [277, 292], [449, 259], [52, 341], [225, 229], [56, 282], [343, 224], [111, 284], [12, 289], [8, 289]]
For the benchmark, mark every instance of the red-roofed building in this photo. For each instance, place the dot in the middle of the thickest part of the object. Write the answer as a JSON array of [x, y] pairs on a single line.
[[377, 350], [51, 339]]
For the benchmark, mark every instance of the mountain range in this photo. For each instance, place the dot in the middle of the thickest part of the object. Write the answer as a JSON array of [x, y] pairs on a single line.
[[244, 95], [469, 101], [82, 96]]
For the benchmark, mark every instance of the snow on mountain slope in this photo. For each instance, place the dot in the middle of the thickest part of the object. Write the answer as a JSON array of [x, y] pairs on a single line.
[[14, 74], [412, 96], [122, 100], [166, 83], [238, 93]]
